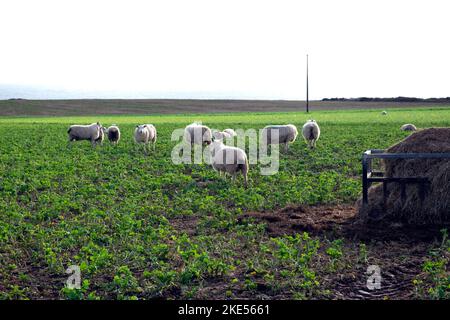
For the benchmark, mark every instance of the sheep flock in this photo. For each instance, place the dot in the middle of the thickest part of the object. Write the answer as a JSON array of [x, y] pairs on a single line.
[[225, 159]]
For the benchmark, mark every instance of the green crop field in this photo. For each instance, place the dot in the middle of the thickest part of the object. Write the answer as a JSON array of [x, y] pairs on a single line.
[[141, 227]]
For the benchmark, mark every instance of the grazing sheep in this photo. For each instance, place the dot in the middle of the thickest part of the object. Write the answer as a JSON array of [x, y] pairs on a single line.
[[230, 160], [197, 134], [384, 113], [408, 127], [145, 133], [113, 134], [311, 133], [231, 132], [286, 134], [92, 132]]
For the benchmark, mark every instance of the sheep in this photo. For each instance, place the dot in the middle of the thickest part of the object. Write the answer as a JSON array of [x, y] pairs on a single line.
[[384, 113], [221, 135], [92, 132], [197, 134], [230, 160], [311, 133], [231, 132], [101, 136], [113, 133], [408, 127], [286, 134], [145, 133]]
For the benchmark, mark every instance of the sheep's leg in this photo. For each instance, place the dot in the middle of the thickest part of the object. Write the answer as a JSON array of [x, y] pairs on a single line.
[[245, 180], [286, 147]]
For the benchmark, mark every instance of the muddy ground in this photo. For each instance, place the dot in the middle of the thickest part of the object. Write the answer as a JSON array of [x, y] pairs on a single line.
[[398, 249]]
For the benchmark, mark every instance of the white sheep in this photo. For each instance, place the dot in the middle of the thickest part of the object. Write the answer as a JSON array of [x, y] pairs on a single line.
[[230, 160], [286, 134], [221, 135], [311, 133], [197, 134], [92, 132], [408, 127], [231, 132], [113, 133], [384, 113], [145, 133]]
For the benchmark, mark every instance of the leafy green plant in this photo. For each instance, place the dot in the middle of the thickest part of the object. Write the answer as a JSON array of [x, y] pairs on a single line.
[[116, 212], [334, 251], [124, 282]]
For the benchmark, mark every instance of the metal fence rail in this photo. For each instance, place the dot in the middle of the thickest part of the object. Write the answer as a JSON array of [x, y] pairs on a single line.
[[369, 175]]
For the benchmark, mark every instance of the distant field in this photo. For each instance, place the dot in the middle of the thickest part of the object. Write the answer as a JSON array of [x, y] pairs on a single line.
[[107, 107], [141, 227]]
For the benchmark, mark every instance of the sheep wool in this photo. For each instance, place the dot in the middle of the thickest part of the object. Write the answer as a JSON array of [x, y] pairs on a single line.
[[286, 134], [311, 133], [113, 134], [145, 134], [197, 134], [230, 160], [408, 127], [92, 132]]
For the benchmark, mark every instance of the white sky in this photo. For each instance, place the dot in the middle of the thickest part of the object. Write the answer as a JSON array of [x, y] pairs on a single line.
[[226, 49]]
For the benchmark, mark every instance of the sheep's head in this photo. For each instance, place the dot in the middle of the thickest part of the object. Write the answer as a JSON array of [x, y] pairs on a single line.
[[141, 129], [217, 135], [207, 137]]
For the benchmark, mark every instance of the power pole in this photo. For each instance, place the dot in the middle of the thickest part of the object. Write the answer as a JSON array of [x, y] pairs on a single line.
[[307, 85]]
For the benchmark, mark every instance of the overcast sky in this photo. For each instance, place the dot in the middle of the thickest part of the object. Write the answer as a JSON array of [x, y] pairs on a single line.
[[223, 49]]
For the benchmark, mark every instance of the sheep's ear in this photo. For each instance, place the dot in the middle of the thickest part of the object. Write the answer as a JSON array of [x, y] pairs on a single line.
[[145, 126]]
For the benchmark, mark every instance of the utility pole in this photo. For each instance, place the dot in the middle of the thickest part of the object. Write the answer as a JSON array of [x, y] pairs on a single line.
[[307, 85]]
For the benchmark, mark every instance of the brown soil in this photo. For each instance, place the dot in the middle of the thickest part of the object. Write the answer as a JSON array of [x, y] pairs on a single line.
[[338, 221], [182, 106], [398, 249]]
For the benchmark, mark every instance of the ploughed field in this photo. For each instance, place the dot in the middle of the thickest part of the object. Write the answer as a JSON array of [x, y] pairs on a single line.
[[139, 226]]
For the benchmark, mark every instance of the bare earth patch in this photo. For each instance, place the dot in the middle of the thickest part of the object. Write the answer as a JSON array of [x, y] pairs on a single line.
[[338, 221], [399, 250]]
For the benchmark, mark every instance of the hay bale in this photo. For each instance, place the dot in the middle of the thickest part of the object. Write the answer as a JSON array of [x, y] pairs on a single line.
[[435, 207]]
